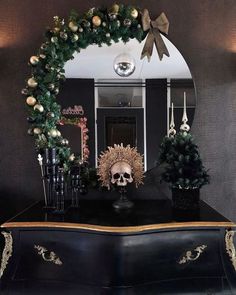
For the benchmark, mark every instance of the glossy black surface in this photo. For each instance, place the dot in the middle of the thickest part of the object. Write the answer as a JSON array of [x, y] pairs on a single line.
[[101, 212]]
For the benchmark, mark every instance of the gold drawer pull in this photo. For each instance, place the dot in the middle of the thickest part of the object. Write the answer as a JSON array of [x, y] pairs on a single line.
[[230, 249], [7, 252], [192, 255], [48, 256]]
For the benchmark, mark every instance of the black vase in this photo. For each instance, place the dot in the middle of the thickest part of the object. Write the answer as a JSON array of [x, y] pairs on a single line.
[[185, 199]]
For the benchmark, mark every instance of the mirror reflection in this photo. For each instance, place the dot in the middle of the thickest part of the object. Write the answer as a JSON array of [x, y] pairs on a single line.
[[134, 110]]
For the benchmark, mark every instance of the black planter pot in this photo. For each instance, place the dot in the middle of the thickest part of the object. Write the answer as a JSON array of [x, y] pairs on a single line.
[[185, 199]]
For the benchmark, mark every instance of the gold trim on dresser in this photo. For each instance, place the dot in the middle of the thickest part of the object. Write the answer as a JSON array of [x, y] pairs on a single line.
[[117, 229], [48, 256], [192, 255], [230, 248], [7, 251]]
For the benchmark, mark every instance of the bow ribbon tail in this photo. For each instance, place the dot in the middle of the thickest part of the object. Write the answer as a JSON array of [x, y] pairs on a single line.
[[159, 43], [148, 46]]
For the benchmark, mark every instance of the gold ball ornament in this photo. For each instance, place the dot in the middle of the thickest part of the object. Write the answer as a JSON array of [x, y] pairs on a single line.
[[32, 83], [56, 30], [115, 8], [31, 101], [58, 133], [96, 20], [37, 131], [73, 26], [134, 13], [34, 60], [53, 133], [39, 107]]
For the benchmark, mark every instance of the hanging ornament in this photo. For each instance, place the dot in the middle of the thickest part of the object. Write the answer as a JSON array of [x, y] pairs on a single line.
[[104, 24], [124, 65], [54, 39], [118, 23], [114, 9], [37, 131], [39, 107], [108, 35], [127, 22], [73, 26], [32, 82], [58, 133], [53, 133], [34, 60], [31, 101], [134, 13], [81, 30], [139, 26], [96, 20], [75, 37]]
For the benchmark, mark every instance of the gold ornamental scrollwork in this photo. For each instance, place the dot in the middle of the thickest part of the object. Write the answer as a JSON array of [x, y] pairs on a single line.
[[192, 255], [230, 248], [47, 255], [7, 251]]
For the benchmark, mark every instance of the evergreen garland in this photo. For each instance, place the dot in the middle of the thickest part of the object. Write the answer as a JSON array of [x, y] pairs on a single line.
[[183, 166], [97, 26]]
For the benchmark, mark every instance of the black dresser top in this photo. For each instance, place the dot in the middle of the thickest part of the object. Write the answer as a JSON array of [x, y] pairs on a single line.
[[93, 214]]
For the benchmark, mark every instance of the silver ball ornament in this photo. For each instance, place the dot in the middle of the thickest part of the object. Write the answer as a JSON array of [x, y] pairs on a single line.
[[75, 37], [54, 39]]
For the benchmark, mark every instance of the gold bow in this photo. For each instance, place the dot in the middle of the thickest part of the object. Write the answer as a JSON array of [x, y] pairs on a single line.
[[161, 24]]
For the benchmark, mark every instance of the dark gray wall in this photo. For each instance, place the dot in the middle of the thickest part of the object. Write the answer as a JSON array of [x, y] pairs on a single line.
[[205, 33]]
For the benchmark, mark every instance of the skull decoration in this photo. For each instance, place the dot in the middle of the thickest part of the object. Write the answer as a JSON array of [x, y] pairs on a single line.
[[121, 173]]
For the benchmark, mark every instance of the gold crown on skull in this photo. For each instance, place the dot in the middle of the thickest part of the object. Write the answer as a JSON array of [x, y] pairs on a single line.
[[116, 154]]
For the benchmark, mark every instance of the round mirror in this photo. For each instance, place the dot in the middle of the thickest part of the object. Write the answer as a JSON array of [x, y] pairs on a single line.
[[123, 106]]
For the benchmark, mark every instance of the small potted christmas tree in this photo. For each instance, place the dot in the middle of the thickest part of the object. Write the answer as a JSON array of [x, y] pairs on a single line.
[[183, 168]]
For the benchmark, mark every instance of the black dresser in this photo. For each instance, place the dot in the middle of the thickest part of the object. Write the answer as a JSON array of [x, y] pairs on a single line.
[[94, 249]]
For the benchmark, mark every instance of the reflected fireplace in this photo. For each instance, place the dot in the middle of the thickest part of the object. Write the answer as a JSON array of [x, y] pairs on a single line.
[[121, 130], [120, 125]]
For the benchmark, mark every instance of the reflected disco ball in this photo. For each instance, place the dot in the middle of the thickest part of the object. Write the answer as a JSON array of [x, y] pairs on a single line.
[[124, 65]]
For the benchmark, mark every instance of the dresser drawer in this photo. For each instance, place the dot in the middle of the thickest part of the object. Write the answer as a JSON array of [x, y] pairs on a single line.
[[108, 259]]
